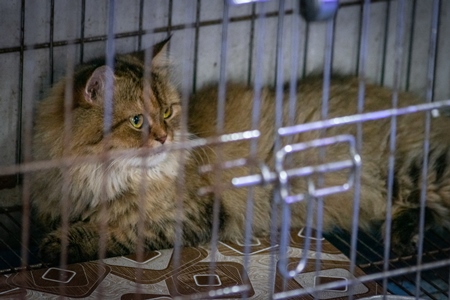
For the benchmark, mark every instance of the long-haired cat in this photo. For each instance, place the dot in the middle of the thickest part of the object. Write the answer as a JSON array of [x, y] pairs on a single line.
[[115, 200]]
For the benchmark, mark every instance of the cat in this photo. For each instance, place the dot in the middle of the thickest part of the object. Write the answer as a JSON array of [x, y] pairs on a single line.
[[374, 154], [122, 200]]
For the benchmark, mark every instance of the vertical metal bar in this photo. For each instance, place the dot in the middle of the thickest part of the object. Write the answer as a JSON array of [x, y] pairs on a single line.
[[385, 41], [293, 81], [279, 80], [248, 234], [52, 23], [107, 115], [426, 145], [110, 54], [141, 18], [250, 44], [26, 204], [435, 49], [328, 63], [107, 125], [411, 43], [260, 26], [294, 70], [259, 53], [327, 70], [67, 135], [361, 28], [362, 55], [140, 244], [169, 19], [295, 40], [390, 188], [222, 71], [220, 126], [305, 53], [20, 91], [186, 91], [83, 26], [68, 118], [197, 31], [256, 109], [393, 136], [279, 76]]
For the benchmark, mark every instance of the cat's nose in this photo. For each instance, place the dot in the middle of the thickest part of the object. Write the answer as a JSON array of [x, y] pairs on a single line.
[[162, 138]]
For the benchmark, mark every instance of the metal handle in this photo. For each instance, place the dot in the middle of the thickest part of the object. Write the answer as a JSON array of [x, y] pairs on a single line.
[[313, 191]]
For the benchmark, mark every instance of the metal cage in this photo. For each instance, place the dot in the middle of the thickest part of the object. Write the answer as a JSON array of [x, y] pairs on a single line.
[[401, 44]]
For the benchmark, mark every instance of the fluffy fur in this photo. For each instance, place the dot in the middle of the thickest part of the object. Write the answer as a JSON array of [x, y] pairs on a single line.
[[338, 208], [116, 200]]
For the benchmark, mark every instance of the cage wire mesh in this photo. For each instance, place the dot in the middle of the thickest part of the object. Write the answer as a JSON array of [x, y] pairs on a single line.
[[399, 44]]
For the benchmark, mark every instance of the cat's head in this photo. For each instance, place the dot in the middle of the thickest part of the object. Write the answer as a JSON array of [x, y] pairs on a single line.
[[127, 105], [130, 105]]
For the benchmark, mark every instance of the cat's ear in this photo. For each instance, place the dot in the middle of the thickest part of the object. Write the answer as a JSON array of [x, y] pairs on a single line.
[[160, 56], [94, 89]]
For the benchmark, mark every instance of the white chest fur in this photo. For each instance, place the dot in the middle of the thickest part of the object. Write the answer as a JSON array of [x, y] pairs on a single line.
[[106, 181]]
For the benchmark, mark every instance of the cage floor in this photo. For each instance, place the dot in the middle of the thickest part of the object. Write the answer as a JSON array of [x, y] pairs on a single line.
[[434, 284]]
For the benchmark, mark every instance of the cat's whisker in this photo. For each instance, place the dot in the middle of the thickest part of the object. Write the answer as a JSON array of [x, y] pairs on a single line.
[[206, 156]]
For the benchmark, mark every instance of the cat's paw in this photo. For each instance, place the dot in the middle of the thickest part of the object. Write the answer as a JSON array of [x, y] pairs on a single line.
[[50, 250], [403, 243], [404, 233]]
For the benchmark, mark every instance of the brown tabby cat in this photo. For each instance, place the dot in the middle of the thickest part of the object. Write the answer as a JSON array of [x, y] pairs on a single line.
[[136, 197]]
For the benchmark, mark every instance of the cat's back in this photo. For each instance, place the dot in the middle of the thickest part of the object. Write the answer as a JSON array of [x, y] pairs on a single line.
[[205, 104], [347, 95], [242, 104]]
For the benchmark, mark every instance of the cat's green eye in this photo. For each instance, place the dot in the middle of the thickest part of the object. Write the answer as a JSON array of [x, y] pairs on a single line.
[[137, 121], [168, 112]]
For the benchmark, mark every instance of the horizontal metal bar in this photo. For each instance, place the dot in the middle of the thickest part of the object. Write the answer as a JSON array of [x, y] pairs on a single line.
[[135, 33], [250, 180], [69, 160], [320, 169], [223, 166], [359, 118], [322, 192], [257, 179]]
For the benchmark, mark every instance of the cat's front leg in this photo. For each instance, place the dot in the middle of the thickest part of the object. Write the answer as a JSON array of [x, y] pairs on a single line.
[[83, 242], [405, 227]]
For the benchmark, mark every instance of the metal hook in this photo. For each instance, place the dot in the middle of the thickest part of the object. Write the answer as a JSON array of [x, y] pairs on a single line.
[[285, 234]]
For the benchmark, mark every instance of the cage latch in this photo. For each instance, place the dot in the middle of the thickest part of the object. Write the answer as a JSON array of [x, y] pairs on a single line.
[[290, 195]]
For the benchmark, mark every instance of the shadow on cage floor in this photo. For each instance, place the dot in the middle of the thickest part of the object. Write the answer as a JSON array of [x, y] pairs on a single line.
[[434, 283], [12, 250]]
